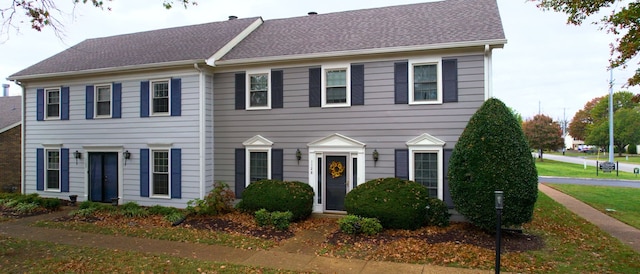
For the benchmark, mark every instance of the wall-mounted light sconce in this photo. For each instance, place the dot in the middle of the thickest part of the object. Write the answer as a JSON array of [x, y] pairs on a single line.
[[77, 155], [127, 156], [298, 155], [375, 156]]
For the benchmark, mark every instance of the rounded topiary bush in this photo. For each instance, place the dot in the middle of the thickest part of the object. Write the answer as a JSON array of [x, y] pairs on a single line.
[[492, 154], [275, 195], [396, 203]]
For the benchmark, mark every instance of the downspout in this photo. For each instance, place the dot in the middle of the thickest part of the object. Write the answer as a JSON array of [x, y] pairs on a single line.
[[23, 128], [202, 129], [488, 73]]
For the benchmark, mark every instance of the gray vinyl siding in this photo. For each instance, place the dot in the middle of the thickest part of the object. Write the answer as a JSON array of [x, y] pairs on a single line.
[[130, 132], [379, 123]]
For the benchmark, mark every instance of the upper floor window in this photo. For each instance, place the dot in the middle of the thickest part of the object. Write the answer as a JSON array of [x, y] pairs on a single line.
[[52, 169], [103, 100], [160, 99], [53, 102], [336, 87], [425, 82], [257, 89]]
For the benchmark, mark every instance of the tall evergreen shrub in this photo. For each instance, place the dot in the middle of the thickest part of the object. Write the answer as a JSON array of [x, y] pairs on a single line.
[[492, 154]]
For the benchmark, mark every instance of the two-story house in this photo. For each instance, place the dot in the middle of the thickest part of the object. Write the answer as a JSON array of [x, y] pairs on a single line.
[[332, 100]]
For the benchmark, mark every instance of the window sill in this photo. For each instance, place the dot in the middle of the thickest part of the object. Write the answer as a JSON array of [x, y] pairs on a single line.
[[258, 108], [160, 114], [435, 102], [53, 190], [160, 197], [336, 105]]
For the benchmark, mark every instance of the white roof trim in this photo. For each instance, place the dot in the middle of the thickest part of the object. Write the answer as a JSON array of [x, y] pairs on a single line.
[[10, 127], [336, 140], [425, 140], [257, 141], [499, 43], [235, 41]]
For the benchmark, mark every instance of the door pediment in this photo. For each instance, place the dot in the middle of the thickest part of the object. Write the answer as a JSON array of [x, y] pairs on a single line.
[[426, 140]]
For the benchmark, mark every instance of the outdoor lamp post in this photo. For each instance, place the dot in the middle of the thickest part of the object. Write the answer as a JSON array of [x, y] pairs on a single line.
[[499, 195]]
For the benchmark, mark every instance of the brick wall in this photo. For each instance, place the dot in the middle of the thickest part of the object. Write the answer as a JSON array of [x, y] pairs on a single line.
[[10, 163]]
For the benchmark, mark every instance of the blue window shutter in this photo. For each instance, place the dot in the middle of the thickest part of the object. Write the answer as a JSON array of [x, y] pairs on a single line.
[[240, 172], [176, 97], [64, 170], [277, 164], [240, 90], [277, 89], [449, 80], [315, 87], [176, 173], [357, 85], [40, 168], [402, 164], [116, 104], [401, 82], [144, 172], [445, 173], [144, 100], [40, 104], [89, 102], [64, 103]]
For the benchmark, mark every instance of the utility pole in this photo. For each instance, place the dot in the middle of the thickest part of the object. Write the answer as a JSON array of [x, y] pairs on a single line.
[[611, 116]]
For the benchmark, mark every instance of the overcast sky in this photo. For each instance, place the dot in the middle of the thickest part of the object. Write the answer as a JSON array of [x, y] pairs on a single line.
[[546, 66]]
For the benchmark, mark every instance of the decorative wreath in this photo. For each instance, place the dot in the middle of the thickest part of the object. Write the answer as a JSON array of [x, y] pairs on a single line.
[[336, 169]]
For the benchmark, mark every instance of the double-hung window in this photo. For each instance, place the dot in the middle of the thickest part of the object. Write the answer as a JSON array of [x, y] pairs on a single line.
[[258, 159], [52, 169], [258, 89], [160, 173], [425, 78], [53, 103], [426, 163], [336, 90], [160, 97], [103, 100]]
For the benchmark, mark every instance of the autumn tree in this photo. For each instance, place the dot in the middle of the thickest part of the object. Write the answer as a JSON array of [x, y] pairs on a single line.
[[44, 13], [626, 130], [543, 133]]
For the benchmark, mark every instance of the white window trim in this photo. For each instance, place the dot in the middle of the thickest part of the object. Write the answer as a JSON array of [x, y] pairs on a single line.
[[247, 96], [426, 143], [425, 61], [46, 169], [153, 149], [336, 66], [46, 103], [95, 102], [256, 144], [151, 93]]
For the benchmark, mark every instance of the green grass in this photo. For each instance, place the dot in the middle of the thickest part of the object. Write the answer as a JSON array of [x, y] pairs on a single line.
[[562, 169], [623, 200], [22, 256], [633, 159]]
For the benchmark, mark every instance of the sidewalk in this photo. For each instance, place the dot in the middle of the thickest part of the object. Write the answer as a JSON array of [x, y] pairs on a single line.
[[272, 259], [625, 233]]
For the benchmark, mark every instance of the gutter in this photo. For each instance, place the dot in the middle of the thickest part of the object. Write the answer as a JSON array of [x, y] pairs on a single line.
[[22, 137], [496, 43], [202, 129], [488, 75]]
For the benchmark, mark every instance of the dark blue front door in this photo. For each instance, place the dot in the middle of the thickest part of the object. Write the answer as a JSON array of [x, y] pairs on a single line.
[[103, 176], [336, 182]]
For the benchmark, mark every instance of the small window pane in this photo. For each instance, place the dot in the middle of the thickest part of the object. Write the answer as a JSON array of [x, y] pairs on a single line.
[[53, 97], [161, 184], [258, 166], [426, 171], [425, 83], [160, 161], [53, 160], [336, 95], [336, 78]]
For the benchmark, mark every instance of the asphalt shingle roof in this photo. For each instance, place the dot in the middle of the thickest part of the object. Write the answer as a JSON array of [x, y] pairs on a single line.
[[10, 110], [429, 23], [196, 42]]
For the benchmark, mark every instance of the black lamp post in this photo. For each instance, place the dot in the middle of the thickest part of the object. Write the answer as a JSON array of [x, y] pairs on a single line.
[[499, 195]]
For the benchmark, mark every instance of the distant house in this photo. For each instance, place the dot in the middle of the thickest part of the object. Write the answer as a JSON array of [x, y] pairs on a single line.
[[332, 100], [10, 143], [572, 143]]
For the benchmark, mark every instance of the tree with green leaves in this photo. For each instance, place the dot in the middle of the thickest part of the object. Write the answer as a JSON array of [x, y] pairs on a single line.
[[582, 120], [492, 154], [43, 13], [543, 133], [623, 21], [626, 130]]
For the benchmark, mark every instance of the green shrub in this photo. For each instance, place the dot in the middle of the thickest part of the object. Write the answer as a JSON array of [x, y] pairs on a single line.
[[275, 195], [437, 212], [395, 202], [25, 208], [218, 201], [632, 149], [492, 154], [352, 224], [50, 203], [173, 217], [83, 212], [263, 217], [133, 210], [161, 210], [281, 220]]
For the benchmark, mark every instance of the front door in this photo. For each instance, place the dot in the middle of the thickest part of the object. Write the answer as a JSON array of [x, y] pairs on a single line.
[[336, 182], [103, 176]]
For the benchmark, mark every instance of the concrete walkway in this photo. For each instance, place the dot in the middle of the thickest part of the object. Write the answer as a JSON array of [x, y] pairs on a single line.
[[272, 259], [625, 233]]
